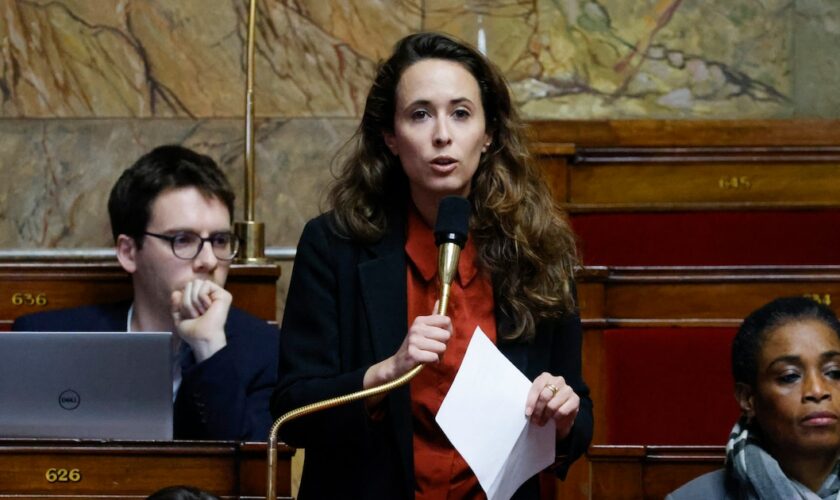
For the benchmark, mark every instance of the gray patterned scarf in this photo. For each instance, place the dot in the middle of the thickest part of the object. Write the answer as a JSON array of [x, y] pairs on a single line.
[[759, 476]]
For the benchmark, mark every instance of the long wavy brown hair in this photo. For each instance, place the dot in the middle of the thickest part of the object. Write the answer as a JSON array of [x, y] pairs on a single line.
[[522, 237]]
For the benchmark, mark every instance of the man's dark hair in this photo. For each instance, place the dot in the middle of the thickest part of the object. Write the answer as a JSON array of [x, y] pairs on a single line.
[[163, 168], [748, 342]]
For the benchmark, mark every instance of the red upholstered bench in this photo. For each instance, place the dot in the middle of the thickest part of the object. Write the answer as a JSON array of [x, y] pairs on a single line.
[[668, 386], [672, 386], [696, 223], [711, 238]]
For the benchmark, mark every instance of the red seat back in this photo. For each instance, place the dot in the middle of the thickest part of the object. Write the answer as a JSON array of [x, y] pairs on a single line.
[[714, 238], [669, 386]]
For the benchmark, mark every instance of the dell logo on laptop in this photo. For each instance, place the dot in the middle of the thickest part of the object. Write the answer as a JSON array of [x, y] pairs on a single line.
[[69, 399]]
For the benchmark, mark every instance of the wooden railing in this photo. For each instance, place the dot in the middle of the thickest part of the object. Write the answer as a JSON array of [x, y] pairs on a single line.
[[75, 469], [692, 225], [32, 285], [647, 472]]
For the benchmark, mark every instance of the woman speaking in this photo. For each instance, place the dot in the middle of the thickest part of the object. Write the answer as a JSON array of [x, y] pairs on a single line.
[[438, 121]]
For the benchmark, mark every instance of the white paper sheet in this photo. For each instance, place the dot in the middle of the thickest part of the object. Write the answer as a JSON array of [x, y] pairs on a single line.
[[483, 415]]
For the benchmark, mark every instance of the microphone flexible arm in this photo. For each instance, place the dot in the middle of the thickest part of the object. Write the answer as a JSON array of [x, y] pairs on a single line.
[[447, 266]]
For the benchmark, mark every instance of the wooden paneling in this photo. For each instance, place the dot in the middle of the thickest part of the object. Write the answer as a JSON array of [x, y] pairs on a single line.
[[705, 182], [695, 183], [696, 296], [640, 165], [118, 470], [674, 300], [678, 133], [127, 470], [555, 172], [28, 286], [647, 472], [637, 472], [590, 288]]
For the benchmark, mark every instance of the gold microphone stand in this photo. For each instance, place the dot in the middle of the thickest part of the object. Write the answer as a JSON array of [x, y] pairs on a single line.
[[448, 255], [251, 234]]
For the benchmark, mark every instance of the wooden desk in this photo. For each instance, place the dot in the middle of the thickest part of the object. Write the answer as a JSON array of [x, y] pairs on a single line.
[[28, 286], [696, 192], [664, 165], [695, 296], [127, 469], [117, 470], [647, 472]]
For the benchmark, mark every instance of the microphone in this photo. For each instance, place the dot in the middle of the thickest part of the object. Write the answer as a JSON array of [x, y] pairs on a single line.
[[451, 229]]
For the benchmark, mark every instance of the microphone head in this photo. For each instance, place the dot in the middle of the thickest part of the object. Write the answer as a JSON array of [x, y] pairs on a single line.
[[453, 221]]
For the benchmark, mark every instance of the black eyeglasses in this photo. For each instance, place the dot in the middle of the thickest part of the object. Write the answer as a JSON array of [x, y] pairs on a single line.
[[187, 244]]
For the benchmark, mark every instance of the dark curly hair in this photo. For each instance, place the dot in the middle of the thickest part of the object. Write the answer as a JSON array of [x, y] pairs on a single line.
[[522, 237]]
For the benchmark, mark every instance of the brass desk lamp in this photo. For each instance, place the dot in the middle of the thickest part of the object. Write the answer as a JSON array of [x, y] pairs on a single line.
[[251, 234]]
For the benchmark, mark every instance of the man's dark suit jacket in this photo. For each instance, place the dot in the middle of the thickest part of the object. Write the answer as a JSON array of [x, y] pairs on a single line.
[[346, 310], [224, 398]]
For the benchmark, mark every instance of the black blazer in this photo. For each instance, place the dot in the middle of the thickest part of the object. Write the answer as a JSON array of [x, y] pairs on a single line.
[[346, 310], [226, 397]]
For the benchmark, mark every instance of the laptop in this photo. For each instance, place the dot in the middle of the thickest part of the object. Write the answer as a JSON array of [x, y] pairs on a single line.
[[100, 385]]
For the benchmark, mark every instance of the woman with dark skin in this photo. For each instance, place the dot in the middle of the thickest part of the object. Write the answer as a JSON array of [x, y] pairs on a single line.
[[438, 121], [786, 365]]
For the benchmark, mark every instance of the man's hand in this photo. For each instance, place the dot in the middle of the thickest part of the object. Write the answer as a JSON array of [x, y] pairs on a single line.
[[199, 312]]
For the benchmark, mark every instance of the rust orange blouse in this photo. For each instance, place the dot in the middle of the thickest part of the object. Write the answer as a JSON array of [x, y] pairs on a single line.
[[440, 471]]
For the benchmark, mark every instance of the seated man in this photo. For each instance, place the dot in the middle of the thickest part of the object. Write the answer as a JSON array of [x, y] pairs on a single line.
[[171, 218]]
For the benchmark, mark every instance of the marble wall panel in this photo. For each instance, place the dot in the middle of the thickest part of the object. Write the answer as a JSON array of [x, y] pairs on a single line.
[[651, 58], [817, 67], [565, 58], [59, 172], [69, 59], [368, 28], [180, 65], [157, 58], [502, 30]]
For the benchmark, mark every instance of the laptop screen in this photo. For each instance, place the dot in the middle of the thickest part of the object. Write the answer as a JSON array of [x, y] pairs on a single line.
[[102, 385]]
